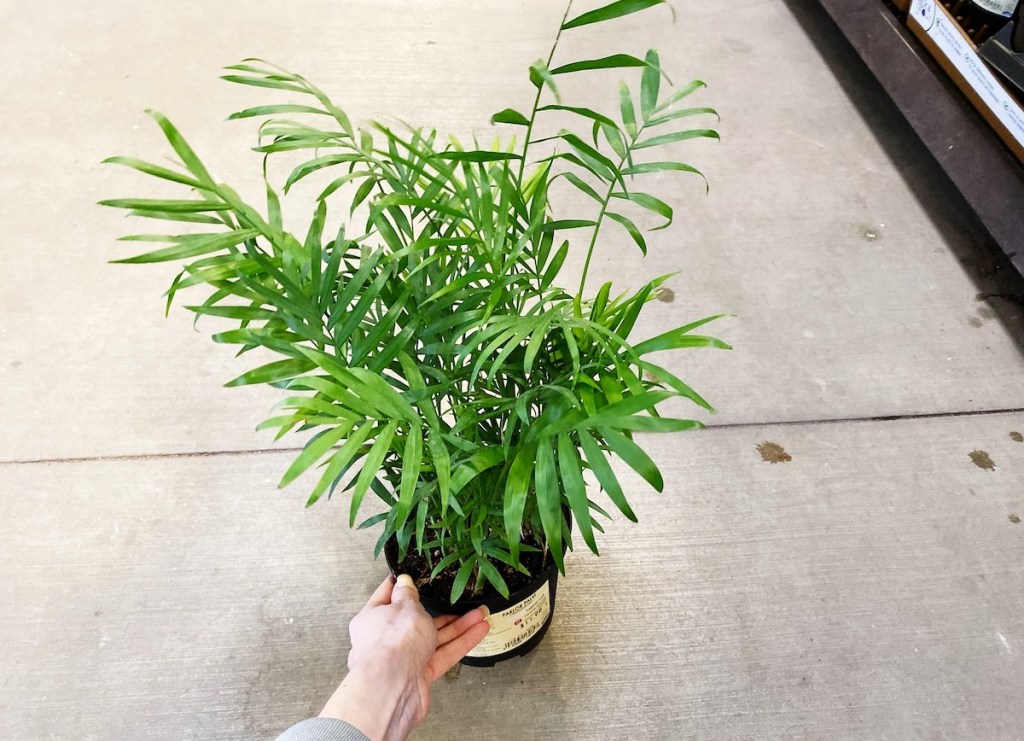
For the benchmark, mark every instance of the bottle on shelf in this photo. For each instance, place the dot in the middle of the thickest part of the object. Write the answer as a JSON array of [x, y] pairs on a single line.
[[980, 19]]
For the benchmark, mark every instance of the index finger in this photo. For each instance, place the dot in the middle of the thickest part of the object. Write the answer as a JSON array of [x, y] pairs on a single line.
[[451, 653], [382, 594]]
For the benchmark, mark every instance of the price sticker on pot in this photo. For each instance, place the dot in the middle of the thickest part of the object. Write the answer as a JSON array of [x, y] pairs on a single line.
[[515, 626]]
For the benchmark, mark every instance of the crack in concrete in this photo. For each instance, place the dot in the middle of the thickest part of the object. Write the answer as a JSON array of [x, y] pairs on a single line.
[[881, 418], [148, 456], [731, 426]]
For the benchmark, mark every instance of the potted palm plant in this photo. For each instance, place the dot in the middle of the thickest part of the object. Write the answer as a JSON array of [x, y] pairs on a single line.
[[433, 354]]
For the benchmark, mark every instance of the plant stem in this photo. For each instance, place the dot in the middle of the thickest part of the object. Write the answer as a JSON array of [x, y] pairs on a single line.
[[600, 216], [593, 241], [536, 99]]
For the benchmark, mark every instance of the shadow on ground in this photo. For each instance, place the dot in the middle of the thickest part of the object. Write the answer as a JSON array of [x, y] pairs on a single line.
[[1000, 288]]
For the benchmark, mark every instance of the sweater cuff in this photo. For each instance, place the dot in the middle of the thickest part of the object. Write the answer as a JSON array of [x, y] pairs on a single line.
[[323, 729]]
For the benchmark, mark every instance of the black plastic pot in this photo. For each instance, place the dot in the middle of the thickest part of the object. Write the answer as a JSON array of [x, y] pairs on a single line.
[[518, 624]]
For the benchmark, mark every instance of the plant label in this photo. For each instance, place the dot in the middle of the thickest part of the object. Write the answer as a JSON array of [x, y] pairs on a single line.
[[516, 625]]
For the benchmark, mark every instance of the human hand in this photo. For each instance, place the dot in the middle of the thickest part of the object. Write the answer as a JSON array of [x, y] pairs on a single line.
[[398, 652]]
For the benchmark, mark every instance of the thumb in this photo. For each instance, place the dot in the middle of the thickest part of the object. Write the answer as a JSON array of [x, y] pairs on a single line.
[[405, 590]]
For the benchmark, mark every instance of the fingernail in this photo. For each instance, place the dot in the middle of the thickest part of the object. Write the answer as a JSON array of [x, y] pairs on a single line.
[[404, 580], [485, 611]]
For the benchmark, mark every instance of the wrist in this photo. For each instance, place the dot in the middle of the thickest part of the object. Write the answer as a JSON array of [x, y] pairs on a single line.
[[368, 701]]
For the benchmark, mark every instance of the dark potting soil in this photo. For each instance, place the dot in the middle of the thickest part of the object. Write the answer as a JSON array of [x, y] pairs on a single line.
[[440, 589]]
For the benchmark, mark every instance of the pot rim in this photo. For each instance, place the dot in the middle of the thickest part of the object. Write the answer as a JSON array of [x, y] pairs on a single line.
[[494, 604]]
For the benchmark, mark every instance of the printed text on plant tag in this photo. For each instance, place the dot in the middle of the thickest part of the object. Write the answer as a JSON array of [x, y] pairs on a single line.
[[516, 625]]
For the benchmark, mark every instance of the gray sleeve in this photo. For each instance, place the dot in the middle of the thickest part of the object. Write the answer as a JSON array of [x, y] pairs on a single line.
[[323, 729]]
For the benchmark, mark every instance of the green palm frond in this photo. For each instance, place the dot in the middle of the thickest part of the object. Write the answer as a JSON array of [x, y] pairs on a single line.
[[440, 362]]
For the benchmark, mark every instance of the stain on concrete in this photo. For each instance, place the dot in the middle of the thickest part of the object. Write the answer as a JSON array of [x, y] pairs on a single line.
[[969, 584], [982, 460], [984, 314], [773, 453], [452, 675], [870, 234], [648, 376], [666, 295], [1015, 519], [738, 46], [1017, 437]]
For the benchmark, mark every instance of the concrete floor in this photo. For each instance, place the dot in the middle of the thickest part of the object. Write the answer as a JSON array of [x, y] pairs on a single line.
[[156, 584]]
